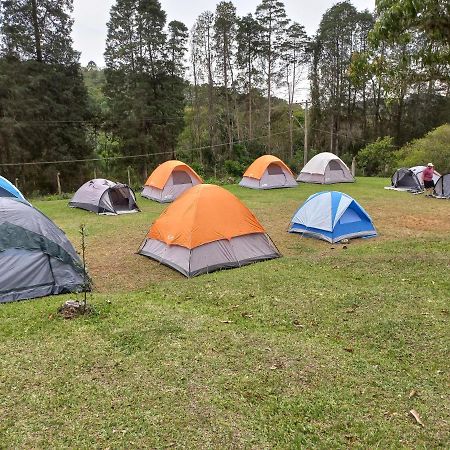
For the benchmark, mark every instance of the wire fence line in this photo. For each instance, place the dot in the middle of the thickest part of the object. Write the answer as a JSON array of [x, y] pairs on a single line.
[[143, 155]]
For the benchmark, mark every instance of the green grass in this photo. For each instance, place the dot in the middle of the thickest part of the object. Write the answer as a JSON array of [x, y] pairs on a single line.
[[318, 349]]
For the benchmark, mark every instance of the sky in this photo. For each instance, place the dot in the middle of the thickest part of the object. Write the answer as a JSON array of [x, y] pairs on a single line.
[[91, 16]]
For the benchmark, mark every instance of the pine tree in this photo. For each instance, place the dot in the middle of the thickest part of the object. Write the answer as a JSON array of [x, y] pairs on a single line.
[[144, 77], [43, 100]]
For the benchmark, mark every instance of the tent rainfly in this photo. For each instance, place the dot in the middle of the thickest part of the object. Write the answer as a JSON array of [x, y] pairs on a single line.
[[442, 188], [7, 189], [169, 180], [206, 229], [332, 216], [325, 168], [268, 172], [36, 257], [410, 179], [105, 197]]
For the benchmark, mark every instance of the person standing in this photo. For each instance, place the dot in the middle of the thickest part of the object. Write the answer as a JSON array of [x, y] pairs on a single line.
[[427, 178]]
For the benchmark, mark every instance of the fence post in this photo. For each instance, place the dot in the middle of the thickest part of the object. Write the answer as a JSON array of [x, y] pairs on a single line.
[[58, 182], [95, 174], [129, 176], [16, 183], [354, 167]]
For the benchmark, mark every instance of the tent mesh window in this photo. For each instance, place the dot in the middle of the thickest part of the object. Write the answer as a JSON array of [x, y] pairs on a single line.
[[274, 169], [335, 166], [180, 177]]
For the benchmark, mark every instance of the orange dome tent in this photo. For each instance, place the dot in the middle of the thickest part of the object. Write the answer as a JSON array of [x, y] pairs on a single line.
[[207, 229], [268, 172], [169, 180]]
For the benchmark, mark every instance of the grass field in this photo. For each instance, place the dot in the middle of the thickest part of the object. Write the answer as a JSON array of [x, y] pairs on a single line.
[[318, 349]]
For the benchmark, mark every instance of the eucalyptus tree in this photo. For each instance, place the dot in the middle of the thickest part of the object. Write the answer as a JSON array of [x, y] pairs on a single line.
[[204, 68], [294, 55], [335, 41], [272, 18], [248, 50], [224, 42]]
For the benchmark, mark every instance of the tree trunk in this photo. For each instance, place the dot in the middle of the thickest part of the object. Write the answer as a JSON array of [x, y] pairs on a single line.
[[37, 35]]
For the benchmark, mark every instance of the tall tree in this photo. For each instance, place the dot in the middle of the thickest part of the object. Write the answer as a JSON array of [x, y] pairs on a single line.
[[224, 38], [336, 37], [272, 18], [248, 49], [43, 100], [144, 73], [202, 47], [400, 22], [39, 30], [294, 55]]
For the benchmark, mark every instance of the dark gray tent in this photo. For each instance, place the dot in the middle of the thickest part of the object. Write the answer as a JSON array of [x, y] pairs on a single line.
[[36, 258], [105, 197], [442, 188]]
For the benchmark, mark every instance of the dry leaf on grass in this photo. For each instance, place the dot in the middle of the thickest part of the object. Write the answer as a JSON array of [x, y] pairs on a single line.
[[226, 321], [416, 416]]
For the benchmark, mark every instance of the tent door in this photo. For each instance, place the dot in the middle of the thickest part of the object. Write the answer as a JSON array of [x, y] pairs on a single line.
[[121, 199]]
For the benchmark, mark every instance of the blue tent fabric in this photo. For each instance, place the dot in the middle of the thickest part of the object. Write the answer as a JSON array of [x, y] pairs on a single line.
[[332, 216], [7, 189]]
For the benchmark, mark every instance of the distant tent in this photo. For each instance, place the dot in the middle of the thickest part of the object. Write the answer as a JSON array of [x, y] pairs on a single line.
[[325, 168], [268, 172], [206, 229], [36, 258], [7, 189], [410, 179], [170, 180], [105, 197], [442, 188], [332, 216]]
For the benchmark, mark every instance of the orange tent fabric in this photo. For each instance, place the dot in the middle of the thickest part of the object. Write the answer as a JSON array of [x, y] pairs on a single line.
[[259, 166], [161, 174], [203, 214]]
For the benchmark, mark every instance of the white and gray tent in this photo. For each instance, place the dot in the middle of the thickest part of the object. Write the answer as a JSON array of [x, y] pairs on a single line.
[[442, 188], [105, 197], [36, 258], [325, 168]]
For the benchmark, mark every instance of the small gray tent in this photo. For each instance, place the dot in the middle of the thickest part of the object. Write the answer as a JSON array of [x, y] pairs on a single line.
[[36, 258], [105, 197], [442, 188]]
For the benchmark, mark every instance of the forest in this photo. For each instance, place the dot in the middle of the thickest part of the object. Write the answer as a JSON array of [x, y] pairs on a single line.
[[221, 93]]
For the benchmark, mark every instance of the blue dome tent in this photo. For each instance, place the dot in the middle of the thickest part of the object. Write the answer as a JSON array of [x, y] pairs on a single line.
[[7, 189], [332, 216]]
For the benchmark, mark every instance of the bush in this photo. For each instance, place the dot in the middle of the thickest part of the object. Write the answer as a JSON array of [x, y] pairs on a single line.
[[434, 147], [377, 158], [234, 168]]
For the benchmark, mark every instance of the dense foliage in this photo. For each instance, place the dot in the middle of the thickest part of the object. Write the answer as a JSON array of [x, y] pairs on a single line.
[[218, 95]]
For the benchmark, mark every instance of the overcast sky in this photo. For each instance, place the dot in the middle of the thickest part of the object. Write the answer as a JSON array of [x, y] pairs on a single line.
[[89, 31]]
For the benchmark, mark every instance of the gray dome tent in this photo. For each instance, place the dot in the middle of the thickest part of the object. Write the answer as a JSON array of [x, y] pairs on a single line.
[[36, 257], [105, 197], [442, 188], [405, 179]]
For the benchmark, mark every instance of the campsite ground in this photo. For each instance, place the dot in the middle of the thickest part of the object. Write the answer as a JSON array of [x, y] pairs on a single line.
[[326, 347]]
